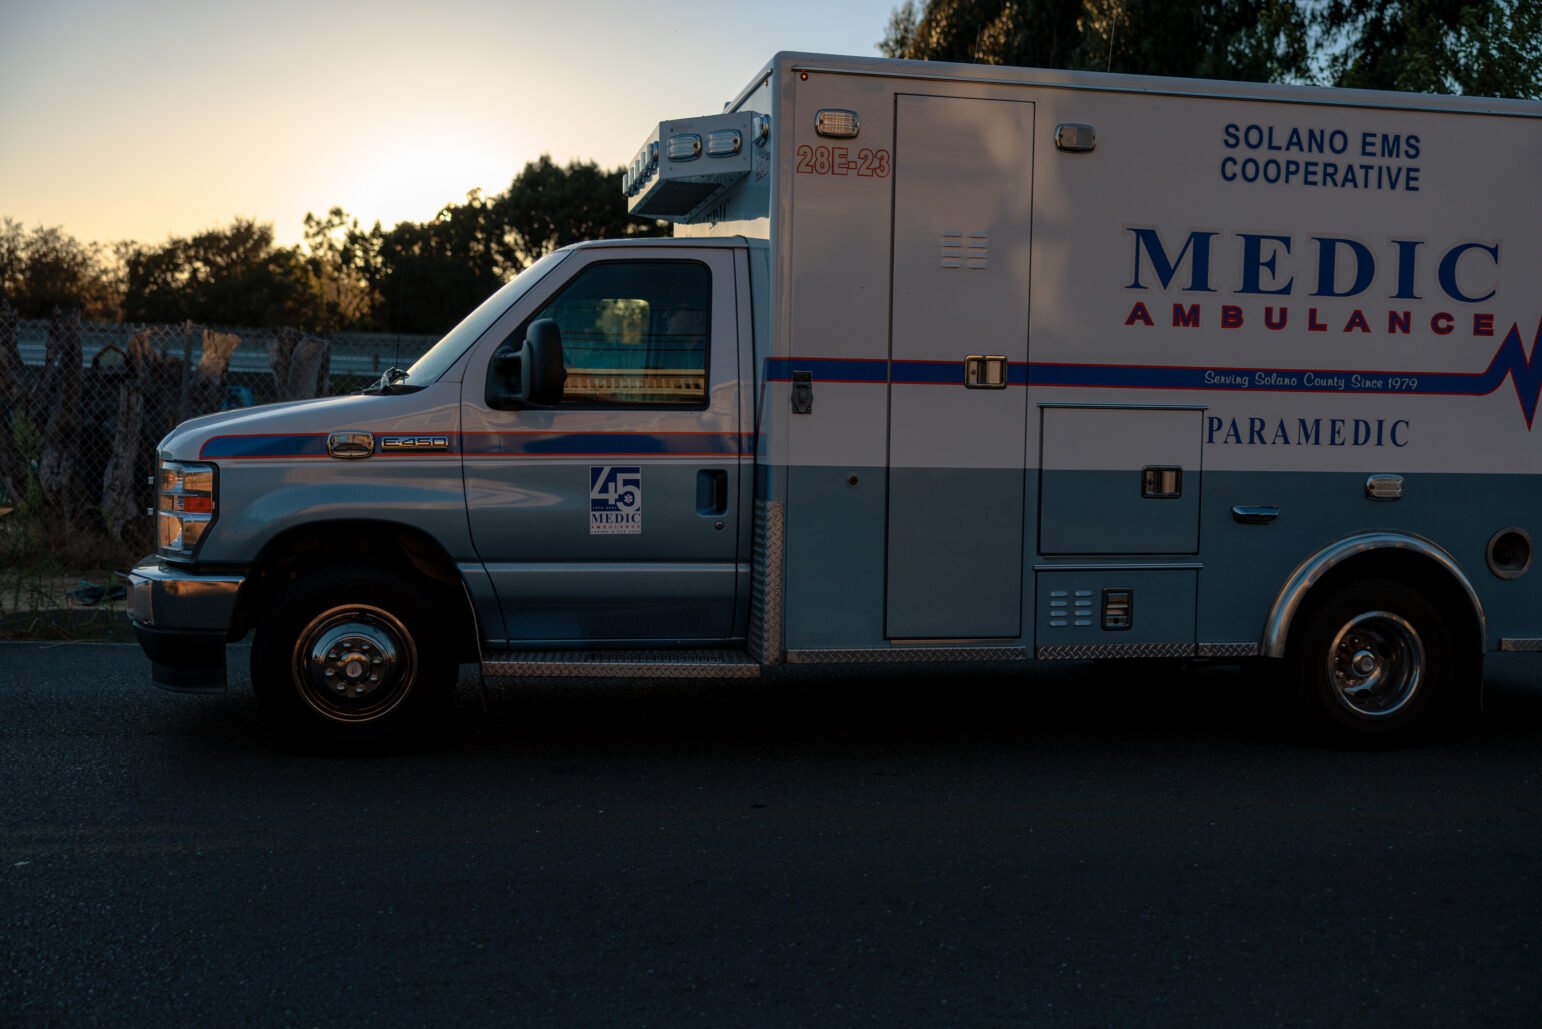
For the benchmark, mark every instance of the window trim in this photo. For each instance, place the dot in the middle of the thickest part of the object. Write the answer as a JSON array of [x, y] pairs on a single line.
[[703, 404]]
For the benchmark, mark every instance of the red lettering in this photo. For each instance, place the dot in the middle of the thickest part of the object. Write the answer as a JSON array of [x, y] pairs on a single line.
[[1138, 313], [1399, 321], [1442, 323], [1231, 316], [1482, 325], [1186, 318], [1357, 321], [1269, 318], [1312, 324]]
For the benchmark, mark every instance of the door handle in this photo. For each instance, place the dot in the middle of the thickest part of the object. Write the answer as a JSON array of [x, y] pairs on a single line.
[[1161, 482], [1254, 514], [712, 492]]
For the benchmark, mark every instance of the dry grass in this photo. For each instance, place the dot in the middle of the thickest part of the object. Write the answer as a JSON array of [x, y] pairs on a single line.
[[42, 597]]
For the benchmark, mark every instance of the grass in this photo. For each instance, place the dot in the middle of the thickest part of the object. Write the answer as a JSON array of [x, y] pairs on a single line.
[[36, 587]]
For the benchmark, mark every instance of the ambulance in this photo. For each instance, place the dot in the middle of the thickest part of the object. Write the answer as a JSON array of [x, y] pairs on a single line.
[[942, 363]]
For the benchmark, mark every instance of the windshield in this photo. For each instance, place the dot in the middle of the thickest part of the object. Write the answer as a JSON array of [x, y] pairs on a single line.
[[448, 350]]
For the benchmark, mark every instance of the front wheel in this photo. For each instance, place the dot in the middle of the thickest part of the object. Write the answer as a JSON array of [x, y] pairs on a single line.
[[352, 655], [1375, 664]]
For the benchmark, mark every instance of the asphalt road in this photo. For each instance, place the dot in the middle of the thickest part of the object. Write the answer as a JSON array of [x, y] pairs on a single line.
[[1130, 846]]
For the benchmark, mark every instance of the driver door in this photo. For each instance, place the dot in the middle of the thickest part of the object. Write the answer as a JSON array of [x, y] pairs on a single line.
[[612, 516]]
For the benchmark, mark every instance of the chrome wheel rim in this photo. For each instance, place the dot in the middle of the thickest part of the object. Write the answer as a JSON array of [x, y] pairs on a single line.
[[1376, 664], [354, 663]]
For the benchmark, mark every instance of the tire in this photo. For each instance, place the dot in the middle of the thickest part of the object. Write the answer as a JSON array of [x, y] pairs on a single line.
[[1375, 665], [353, 655]]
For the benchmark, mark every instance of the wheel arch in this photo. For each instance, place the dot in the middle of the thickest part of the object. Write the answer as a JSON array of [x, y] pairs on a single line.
[[1403, 556], [405, 549]]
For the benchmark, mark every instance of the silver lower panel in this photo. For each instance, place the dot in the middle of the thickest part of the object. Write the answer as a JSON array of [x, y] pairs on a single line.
[[1523, 645], [1227, 650], [634, 664], [765, 634], [902, 655], [1098, 651]]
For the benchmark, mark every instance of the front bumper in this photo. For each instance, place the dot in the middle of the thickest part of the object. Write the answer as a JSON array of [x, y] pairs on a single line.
[[182, 620]]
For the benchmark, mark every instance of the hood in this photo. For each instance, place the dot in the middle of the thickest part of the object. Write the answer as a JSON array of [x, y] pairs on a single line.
[[306, 423]]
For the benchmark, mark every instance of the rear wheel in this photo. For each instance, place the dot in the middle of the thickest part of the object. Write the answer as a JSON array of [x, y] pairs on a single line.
[[1375, 664], [352, 655]]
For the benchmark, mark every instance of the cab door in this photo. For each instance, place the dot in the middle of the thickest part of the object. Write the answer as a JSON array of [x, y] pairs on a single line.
[[612, 516]]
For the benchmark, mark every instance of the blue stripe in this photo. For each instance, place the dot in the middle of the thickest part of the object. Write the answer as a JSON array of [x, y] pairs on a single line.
[[307, 445], [827, 369], [508, 444], [640, 444], [1510, 362]]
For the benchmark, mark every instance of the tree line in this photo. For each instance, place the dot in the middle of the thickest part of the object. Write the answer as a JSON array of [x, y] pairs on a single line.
[[1487, 48], [415, 277]]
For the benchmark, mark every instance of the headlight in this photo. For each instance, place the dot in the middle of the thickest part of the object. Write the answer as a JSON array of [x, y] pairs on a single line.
[[184, 508]]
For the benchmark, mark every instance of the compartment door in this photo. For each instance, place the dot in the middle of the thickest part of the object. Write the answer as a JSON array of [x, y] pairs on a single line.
[[1120, 480], [963, 189]]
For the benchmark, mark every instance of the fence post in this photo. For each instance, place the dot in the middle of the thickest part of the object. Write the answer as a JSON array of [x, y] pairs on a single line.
[[187, 365]]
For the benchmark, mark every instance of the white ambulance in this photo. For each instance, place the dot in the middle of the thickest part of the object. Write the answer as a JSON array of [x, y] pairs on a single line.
[[945, 362]]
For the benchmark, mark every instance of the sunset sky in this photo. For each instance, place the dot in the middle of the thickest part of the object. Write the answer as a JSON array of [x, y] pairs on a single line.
[[136, 120]]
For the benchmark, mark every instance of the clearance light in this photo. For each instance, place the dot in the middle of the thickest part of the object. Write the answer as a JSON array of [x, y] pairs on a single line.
[[837, 124], [686, 147], [724, 143], [185, 507], [760, 128]]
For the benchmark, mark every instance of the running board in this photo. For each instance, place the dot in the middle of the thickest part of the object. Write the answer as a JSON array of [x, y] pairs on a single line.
[[639, 664]]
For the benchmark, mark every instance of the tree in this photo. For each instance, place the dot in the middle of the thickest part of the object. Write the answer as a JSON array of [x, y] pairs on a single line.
[[424, 277], [46, 270], [1435, 46], [430, 274], [1036, 33], [547, 207], [230, 276], [1262, 40], [1442, 46], [344, 294]]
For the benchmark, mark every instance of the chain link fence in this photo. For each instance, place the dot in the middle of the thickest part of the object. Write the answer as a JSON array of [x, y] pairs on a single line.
[[83, 405]]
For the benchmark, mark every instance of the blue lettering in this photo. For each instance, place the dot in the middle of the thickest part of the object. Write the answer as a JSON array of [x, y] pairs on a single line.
[[1196, 247], [1327, 266], [1448, 271], [1253, 262], [1407, 256]]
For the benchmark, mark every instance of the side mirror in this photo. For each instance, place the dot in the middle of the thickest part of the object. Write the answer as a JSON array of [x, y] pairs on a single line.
[[544, 373], [537, 367]]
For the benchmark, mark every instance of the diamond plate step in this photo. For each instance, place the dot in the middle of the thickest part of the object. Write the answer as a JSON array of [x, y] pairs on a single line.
[[643, 664]]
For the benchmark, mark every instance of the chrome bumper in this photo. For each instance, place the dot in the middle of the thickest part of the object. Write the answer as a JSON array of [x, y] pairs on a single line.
[[171, 598], [182, 620]]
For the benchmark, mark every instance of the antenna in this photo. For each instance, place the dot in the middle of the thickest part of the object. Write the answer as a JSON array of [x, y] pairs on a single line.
[[1112, 30]]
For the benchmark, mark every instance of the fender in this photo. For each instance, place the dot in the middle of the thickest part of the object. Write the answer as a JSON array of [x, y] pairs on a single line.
[[1288, 601]]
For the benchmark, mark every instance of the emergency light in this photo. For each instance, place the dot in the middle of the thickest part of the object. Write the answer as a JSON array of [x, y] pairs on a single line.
[[685, 167]]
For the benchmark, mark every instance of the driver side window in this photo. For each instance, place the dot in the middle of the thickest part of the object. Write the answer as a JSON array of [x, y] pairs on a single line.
[[634, 332]]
